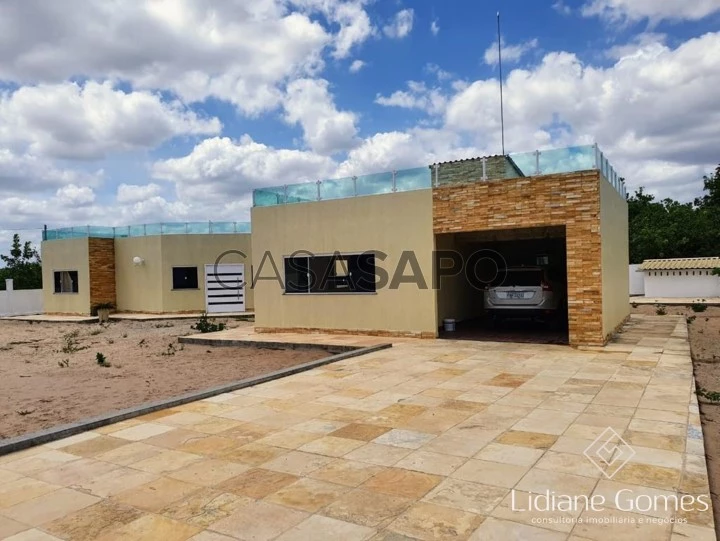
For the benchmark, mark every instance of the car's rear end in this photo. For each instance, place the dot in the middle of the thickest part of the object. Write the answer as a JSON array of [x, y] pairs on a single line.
[[523, 292]]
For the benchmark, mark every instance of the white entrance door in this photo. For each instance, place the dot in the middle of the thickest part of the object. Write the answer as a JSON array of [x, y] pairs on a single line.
[[224, 288]]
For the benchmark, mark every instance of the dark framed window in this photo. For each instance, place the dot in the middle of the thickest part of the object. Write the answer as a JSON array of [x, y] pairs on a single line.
[[338, 273], [66, 281], [185, 278]]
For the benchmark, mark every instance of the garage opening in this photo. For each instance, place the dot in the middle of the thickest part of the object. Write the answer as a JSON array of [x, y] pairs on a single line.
[[503, 285]]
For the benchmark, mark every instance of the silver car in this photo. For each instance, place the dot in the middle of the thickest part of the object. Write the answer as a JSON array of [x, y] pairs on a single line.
[[524, 292]]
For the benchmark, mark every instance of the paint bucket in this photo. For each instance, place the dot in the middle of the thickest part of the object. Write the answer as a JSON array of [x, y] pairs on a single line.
[[449, 325]]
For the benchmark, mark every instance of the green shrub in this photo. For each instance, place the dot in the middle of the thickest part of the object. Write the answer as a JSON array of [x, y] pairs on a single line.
[[204, 325], [660, 310], [102, 360], [698, 307]]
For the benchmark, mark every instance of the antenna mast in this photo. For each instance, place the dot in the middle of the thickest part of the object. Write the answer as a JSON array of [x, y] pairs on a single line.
[[502, 108]]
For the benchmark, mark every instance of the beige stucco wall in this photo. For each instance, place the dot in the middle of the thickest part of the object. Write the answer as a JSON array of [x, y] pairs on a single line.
[[390, 223], [456, 298], [69, 255], [148, 287], [615, 257], [139, 287], [197, 251]]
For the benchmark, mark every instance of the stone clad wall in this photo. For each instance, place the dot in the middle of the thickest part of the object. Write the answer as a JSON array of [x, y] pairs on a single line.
[[569, 199], [460, 172], [101, 259]]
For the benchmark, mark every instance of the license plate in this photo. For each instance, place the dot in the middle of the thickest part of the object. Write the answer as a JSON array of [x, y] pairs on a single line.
[[515, 294]]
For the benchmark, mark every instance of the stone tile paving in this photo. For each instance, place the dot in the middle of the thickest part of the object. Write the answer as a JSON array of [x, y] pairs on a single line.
[[429, 440]]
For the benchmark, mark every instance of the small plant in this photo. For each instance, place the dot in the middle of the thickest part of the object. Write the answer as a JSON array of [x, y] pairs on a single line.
[[71, 344], [660, 310], [690, 319], [711, 396], [124, 335], [142, 343], [110, 341], [24, 412], [95, 332], [164, 325], [102, 360], [698, 307], [634, 305], [204, 325], [65, 363]]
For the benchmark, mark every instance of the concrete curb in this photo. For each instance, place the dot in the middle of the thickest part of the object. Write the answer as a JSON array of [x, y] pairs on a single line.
[[26, 441], [264, 344]]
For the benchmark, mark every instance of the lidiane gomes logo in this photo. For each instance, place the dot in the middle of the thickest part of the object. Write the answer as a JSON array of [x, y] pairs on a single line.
[[609, 452]]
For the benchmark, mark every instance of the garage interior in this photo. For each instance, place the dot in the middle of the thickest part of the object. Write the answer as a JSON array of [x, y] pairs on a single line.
[[483, 257]]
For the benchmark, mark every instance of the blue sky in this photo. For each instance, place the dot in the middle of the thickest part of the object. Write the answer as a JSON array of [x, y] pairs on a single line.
[[173, 110]]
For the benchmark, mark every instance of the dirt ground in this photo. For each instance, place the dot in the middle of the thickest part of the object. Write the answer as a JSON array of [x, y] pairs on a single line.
[[49, 374], [704, 330]]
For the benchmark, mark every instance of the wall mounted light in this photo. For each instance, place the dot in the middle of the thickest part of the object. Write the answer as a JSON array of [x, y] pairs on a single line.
[[137, 261]]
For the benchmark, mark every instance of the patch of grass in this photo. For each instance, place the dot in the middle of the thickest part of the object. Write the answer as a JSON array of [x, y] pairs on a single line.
[[71, 343], [698, 307], [24, 412], [660, 310], [204, 325], [95, 332], [712, 396], [164, 325]]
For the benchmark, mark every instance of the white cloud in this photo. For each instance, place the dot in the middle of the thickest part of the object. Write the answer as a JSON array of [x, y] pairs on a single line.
[[219, 168], [310, 104], [402, 24], [418, 96], [654, 10], [435, 27], [637, 45], [22, 173], [241, 52], [436, 70], [75, 196], [510, 53], [654, 106], [562, 8], [68, 120], [134, 193], [356, 66]]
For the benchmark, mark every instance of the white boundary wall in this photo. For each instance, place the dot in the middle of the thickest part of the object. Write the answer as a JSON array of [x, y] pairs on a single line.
[[21, 302], [637, 281]]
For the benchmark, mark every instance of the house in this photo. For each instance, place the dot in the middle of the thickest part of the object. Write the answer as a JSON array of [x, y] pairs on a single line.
[[152, 268], [689, 277], [565, 209]]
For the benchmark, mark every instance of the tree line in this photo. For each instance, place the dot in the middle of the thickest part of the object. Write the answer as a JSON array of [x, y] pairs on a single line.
[[665, 228]]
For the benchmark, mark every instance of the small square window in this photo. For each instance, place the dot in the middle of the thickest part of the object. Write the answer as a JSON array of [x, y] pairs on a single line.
[[185, 278], [66, 281]]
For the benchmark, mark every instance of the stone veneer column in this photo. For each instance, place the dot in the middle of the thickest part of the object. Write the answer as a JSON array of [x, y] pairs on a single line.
[[101, 258]]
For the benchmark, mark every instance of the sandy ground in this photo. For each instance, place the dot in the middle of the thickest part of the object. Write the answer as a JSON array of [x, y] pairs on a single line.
[[704, 331], [146, 363]]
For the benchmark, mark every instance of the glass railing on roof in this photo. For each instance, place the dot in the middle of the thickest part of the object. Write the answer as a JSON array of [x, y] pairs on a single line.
[[374, 184], [145, 230], [530, 164]]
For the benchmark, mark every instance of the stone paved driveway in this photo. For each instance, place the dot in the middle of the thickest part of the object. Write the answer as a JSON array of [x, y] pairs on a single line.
[[427, 440]]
